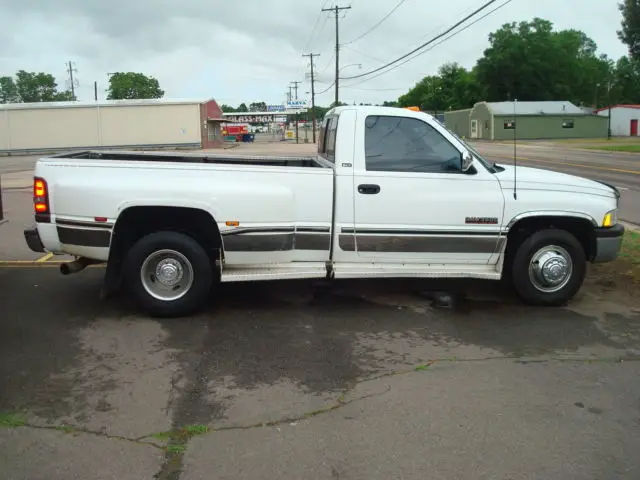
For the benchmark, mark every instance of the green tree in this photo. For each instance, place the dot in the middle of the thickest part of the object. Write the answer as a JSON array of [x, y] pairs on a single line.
[[242, 108], [132, 85], [320, 112], [227, 108], [630, 32], [65, 96], [452, 88], [257, 107], [36, 87], [530, 61], [8, 90], [624, 82]]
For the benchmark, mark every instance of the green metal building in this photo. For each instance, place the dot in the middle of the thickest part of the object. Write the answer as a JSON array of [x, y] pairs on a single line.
[[530, 120]]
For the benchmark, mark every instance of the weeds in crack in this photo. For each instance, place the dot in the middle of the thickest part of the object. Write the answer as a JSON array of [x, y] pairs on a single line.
[[180, 435], [12, 420]]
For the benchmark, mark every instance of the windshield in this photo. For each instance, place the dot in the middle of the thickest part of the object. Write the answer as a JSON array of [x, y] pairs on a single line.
[[487, 164]]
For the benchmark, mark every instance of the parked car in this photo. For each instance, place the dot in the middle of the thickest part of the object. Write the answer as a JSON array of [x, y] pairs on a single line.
[[390, 193]]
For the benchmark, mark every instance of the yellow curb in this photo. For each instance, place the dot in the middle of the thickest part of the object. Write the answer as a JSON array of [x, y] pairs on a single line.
[[44, 258]]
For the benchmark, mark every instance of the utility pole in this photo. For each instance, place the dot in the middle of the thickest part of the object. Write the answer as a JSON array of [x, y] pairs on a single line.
[[313, 95], [70, 69], [295, 88], [289, 94], [95, 91], [336, 10]]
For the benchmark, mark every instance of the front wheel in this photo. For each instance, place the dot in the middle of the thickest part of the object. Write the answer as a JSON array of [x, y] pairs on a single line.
[[548, 268], [169, 274]]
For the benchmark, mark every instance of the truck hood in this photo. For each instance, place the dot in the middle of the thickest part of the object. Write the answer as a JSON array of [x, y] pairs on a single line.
[[540, 179]]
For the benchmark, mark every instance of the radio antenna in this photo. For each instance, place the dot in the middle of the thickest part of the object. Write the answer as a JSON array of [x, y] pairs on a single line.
[[515, 177]]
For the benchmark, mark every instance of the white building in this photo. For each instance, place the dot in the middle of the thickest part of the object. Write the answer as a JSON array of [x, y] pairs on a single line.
[[153, 123], [625, 119]]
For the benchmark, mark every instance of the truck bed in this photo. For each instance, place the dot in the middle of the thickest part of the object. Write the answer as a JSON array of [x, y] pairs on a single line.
[[136, 156]]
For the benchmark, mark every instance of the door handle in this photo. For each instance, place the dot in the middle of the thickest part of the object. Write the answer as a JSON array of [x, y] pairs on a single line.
[[367, 189]]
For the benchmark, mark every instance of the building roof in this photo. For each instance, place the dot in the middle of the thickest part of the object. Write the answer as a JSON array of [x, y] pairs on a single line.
[[618, 106], [535, 108], [105, 103]]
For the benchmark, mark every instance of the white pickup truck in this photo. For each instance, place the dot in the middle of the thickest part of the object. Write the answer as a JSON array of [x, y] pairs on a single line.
[[390, 193]]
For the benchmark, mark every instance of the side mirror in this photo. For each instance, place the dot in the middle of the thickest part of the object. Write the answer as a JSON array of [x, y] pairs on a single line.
[[467, 161]]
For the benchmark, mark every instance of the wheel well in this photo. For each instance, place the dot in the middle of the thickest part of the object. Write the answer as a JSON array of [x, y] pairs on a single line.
[[581, 228], [136, 222]]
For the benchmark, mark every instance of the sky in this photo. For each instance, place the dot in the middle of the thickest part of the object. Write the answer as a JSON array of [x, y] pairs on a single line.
[[252, 50]]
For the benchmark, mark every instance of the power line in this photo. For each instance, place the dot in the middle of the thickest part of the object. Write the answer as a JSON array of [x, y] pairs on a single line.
[[326, 89], [433, 46], [313, 30], [336, 11], [429, 42], [375, 89], [377, 24], [363, 54], [324, 69]]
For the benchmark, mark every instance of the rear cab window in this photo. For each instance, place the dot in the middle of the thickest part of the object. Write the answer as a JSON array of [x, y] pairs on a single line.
[[327, 139]]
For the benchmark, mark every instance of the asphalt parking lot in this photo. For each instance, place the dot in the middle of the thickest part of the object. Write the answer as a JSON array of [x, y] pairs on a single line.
[[354, 380], [302, 380]]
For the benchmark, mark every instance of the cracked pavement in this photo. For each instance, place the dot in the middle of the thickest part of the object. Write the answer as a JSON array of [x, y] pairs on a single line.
[[355, 380]]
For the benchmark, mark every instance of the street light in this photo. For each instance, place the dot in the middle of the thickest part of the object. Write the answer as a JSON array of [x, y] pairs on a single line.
[[359, 65]]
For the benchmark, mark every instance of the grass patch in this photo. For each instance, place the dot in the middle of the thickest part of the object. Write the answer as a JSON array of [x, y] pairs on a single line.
[[623, 274], [617, 148], [178, 448], [164, 436], [12, 420], [421, 368], [631, 247], [602, 140], [184, 433], [66, 428]]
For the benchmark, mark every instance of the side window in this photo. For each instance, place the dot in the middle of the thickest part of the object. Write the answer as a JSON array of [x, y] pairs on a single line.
[[322, 136], [402, 144], [330, 140]]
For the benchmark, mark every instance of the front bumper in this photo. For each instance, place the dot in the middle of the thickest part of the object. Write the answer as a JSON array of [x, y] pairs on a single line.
[[33, 240], [608, 243]]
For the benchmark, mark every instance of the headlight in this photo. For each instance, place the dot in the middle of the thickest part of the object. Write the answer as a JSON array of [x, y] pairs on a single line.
[[610, 218]]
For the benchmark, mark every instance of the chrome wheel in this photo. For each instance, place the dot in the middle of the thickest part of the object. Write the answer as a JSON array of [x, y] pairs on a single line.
[[166, 275], [550, 269]]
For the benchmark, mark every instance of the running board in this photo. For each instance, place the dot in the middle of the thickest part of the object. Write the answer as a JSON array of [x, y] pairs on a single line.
[[274, 271], [295, 270], [390, 270]]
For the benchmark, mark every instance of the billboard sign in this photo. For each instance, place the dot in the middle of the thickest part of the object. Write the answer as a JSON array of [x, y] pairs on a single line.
[[275, 108], [297, 105]]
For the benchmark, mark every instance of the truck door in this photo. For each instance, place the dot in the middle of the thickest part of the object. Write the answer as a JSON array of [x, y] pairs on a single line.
[[413, 204]]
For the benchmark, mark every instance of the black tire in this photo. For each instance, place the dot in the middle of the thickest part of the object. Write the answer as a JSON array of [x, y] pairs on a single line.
[[195, 297], [526, 288]]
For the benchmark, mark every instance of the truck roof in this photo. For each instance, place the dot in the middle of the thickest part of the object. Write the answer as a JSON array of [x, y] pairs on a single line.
[[378, 110]]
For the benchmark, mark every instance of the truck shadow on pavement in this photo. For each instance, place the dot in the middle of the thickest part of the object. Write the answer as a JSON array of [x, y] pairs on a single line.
[[66, 356]]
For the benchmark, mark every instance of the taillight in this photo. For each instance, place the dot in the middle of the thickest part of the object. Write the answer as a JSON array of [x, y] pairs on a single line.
[[41, 200]]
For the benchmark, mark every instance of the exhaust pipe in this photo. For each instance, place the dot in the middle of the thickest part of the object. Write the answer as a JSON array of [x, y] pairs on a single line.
[[77, 265]]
